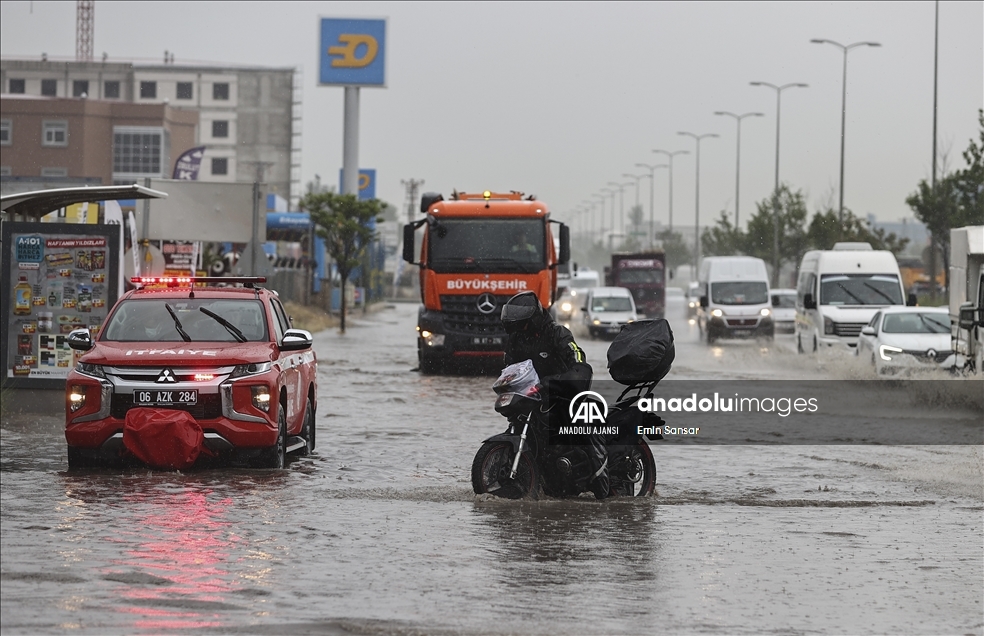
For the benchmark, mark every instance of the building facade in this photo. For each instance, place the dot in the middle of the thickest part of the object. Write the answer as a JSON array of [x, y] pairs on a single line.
[[248, 117]]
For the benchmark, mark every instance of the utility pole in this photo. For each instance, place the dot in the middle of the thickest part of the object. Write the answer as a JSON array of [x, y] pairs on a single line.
[[411, 186]]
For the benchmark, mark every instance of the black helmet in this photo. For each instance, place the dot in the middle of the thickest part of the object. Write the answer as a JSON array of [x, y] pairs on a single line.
[[521, 310]]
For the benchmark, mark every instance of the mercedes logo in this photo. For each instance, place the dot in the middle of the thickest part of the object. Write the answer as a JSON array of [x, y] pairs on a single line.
[[166, 376], [486, 303], [931, 353]]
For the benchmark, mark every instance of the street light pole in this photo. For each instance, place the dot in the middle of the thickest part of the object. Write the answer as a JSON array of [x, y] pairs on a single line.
[[670, 155], [738, 119], [651, 175], [611, 236], [697, 138], [601, 216], [636, 177], [621, 203], [845, 49], [775, 191]]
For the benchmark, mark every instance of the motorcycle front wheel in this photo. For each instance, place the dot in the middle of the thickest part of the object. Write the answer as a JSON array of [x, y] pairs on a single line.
[[632, 470], [490, 472]]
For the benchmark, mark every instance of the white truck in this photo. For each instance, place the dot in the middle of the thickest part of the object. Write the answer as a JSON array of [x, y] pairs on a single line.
[[967, 296]]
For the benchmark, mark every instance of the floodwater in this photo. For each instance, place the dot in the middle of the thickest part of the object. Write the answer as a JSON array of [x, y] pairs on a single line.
[[379, 531]]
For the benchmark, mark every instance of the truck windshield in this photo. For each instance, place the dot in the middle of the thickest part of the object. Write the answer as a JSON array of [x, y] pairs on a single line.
[[487, 245], [147, 320], [739, 293], [637, 277], [860, 289]]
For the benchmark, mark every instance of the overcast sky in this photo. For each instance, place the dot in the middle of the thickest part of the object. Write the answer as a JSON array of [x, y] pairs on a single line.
[[560, 99]]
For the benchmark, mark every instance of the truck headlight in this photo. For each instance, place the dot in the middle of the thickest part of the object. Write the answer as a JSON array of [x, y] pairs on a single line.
[[93, 370], [717, 313], [261, 397], [76, 397], [432, 339], [885, 350], [828, 326], [766, 311]]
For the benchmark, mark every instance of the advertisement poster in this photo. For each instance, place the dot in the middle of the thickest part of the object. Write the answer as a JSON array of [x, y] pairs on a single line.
[[57, 278]]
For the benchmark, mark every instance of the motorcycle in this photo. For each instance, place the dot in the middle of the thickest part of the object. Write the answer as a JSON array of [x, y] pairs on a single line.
[[527, 459]]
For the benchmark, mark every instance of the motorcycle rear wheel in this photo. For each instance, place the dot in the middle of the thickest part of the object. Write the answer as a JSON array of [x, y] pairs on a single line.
[[490, 471], [633, 473]]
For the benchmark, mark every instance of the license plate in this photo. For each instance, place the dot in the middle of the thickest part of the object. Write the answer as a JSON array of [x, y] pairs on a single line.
[[169, 397], [487, 341]]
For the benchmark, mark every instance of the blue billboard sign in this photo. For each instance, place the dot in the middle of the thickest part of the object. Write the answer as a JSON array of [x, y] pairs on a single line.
[[367, 184], [352, 53]]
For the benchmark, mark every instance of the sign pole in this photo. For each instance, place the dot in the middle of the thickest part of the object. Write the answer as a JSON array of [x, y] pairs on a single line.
[[350, 142]]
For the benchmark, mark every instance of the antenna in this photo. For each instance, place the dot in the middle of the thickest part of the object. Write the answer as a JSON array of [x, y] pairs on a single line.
[[85, 11]]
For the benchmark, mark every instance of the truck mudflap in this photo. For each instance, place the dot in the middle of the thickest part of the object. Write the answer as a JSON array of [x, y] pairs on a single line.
[[164, 438]]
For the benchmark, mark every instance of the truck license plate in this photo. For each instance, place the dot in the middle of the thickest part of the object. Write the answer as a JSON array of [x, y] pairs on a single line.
[[487, 340], [165, 398]]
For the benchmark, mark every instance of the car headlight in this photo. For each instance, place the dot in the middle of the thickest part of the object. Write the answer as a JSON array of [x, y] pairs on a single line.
[[885, 350], [595, 322], [261, 397], [566, 307], [766, 311], [828, 326], [717, 313], [76, 397], [93, 370], [242, 370]]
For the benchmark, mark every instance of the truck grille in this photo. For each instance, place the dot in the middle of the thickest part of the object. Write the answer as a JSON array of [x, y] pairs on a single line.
[[461, 315], [742, 322], [209, 406], [848, 329]]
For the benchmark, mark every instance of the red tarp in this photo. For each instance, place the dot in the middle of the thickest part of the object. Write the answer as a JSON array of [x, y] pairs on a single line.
[[163, 438]]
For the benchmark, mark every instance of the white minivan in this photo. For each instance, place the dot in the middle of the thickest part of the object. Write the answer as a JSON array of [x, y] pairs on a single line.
[[607, 309], [838, 292], [734, 298]]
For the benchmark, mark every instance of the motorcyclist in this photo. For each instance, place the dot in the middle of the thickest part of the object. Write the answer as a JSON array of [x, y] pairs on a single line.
[[559, 362]]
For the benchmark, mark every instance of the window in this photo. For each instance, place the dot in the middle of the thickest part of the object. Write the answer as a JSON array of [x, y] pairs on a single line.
[[49, 88], [111, 90], [80, 88], [54, 172], [184, 90], [139, 150], [6, 127], [220, 128], [220, 166], [148, 90], [220, 91], [54, 133], [17, 86]]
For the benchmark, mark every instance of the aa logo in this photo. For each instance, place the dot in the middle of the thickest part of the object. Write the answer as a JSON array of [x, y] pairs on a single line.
[[347, 53], [588, 407]]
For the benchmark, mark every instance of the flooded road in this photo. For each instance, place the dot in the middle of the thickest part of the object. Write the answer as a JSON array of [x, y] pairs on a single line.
[[379, 531]]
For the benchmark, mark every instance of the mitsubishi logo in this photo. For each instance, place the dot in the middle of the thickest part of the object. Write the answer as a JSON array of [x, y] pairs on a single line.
[[486, 303], [166, 377]]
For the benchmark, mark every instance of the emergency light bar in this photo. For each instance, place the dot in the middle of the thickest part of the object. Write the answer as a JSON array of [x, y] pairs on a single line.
[[190, 281]]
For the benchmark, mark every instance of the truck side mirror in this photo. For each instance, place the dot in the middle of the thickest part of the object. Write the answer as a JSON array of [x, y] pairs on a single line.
[[408, 246], [911, 300], [565, 244], [967, 318], [808, 302], [703, 302], [80, 340]]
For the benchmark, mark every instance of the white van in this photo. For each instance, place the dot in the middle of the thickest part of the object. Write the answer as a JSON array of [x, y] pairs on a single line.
[[839, 291], [607, 310], [734, 298]]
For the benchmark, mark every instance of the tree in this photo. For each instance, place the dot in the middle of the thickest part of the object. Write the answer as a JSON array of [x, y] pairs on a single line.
[[760, 237], [677, 251], [957, 201], [345, 223], [825, 229], [722, 239]]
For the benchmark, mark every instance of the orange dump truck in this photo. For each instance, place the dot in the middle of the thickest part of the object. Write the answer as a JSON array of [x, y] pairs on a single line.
[[477, 251]]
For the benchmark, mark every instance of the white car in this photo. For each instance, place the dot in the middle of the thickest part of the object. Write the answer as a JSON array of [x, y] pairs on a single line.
[[607, 309], [784, 309], [902, 340]]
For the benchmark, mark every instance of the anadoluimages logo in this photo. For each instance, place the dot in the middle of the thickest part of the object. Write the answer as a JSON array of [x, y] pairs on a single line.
[[588, 407]]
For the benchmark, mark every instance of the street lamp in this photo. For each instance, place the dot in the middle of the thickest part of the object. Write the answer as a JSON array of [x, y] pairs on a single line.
[[611, 192], [670, 155], [845, 49], [697, 198], [651, 175], [775, 193], [601, 215], [621, 203], [738, 119]]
